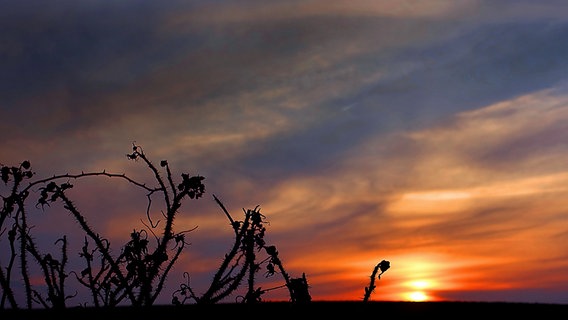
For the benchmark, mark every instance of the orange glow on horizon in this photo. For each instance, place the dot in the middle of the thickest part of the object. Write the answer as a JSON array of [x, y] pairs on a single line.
[[419, 293], [410, 277], [417, 296]]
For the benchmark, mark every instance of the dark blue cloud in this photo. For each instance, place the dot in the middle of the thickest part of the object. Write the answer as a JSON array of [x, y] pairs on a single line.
[[485, 65], [47, 46], [98, 51]]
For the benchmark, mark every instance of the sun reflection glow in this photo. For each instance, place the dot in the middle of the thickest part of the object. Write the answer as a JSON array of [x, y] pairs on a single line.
[[418, 287], [420, 284], [417, 296]]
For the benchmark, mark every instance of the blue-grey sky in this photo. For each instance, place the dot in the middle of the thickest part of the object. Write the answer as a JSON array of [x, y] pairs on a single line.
[[428, 133]]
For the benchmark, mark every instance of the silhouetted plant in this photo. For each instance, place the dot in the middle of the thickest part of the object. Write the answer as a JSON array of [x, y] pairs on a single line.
[[384, 265], [137, 273], [54, 276], [13, 207], [242, 260]]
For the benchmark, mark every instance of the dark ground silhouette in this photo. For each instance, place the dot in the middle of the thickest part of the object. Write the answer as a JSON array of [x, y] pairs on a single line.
[[322, 309]]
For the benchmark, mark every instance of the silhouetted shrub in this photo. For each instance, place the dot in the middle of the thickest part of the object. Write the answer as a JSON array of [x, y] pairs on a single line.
[[136, 274]]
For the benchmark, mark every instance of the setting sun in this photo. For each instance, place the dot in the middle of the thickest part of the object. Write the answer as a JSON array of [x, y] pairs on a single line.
[[417, 296]]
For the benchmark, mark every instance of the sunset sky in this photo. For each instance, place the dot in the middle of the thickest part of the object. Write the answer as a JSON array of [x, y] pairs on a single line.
[[432, 134]]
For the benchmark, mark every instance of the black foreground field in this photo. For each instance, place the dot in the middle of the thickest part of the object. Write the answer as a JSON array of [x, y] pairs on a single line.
[[267, 310]]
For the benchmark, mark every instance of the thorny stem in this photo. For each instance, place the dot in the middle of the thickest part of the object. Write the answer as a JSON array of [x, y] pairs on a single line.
[[384, 265], [99, 243]]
